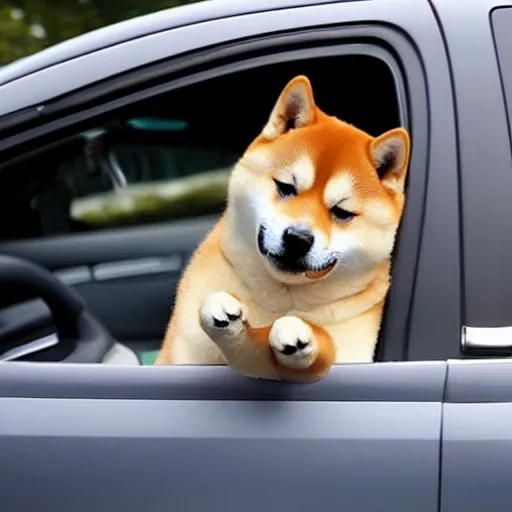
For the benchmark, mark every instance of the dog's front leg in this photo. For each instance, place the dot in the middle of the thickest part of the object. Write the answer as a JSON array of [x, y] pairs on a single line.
[[303, 351], [299, 350], [291, 349], [246, 350]]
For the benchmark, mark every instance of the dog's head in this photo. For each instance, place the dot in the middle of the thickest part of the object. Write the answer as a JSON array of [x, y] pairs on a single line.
[[315, 196]]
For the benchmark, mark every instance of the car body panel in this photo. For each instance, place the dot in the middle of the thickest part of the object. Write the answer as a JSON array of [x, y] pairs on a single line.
[[243, 446], [477, 450], [477, 440], [476, 443], [152, 455], [485, 161]]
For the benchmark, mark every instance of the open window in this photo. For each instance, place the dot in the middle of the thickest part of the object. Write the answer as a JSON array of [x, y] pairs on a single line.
[[161, 164], [169, 156]]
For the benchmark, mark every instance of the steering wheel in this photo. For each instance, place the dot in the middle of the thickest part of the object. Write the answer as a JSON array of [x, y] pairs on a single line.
[[86, 339]]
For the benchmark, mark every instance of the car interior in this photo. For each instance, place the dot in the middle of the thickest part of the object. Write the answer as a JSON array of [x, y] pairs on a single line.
[[98, 225]]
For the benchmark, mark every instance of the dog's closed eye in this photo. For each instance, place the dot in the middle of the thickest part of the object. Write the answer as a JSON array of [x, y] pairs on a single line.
[[341, 214], [285, 189]]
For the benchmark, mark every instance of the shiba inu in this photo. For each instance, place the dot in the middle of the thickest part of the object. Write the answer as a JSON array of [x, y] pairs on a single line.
[[294, 276]]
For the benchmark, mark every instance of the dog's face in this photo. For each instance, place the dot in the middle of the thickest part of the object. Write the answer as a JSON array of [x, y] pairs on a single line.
[[316, 197]]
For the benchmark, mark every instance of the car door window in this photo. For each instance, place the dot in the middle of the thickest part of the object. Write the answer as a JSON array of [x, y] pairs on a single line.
[[170, 158], [166, 157]]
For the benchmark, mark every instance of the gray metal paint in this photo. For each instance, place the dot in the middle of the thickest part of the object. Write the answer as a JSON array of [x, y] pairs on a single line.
[[485, 162], [41, 86], [479, 381], [477, 457], [501, 20], [435, 324], [134, 456], [477, 439], [378, 382], [142, 26]]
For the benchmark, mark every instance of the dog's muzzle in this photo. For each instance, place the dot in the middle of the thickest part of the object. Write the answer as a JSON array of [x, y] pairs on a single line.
[[292, 256]]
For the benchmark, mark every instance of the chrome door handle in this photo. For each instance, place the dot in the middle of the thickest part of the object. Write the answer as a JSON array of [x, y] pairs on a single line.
[[490, 341]]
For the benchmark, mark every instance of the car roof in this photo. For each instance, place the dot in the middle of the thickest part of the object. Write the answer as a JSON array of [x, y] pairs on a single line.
[[142, 26]]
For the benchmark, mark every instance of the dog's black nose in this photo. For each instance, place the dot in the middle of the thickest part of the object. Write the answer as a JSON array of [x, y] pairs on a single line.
[[297, 242]]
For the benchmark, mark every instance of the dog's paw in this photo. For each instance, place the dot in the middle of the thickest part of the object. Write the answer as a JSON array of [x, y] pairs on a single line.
[[293, 343], [222, 316]]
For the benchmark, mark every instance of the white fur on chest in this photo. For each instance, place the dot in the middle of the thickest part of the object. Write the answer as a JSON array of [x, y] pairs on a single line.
[[352, 330]]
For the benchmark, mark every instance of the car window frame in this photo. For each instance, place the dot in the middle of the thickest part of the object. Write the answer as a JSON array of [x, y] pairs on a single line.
[[375, 40], [416, 35], [114, 59]]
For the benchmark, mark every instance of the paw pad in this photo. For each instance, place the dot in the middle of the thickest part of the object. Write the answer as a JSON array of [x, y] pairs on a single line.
[[289, 350], [220, 323]]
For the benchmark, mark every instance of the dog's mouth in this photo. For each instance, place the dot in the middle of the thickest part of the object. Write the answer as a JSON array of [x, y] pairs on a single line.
[[317, 274], [291, 266], [288, 264]]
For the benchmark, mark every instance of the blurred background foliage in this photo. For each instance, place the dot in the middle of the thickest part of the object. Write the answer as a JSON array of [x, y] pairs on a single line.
[[27, 26]]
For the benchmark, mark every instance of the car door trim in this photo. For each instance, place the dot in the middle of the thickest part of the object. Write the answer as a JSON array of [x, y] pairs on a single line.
[[137, 267], [74, 275], [32, 347], [388, 382]]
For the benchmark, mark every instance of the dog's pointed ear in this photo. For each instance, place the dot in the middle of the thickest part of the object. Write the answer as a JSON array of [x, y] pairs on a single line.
[[390, 153], [295, 108]]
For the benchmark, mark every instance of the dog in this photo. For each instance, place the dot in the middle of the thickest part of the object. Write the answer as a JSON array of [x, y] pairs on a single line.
[[294, 276]]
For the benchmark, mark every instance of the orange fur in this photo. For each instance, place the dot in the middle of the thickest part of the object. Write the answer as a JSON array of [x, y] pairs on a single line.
[[236, 305]]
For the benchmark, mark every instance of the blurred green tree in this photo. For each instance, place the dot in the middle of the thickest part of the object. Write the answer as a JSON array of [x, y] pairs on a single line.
[[27, 26]]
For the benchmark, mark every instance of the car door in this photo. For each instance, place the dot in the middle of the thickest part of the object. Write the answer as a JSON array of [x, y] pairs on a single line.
[[108, 438], [476, 440], [365, 438]]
